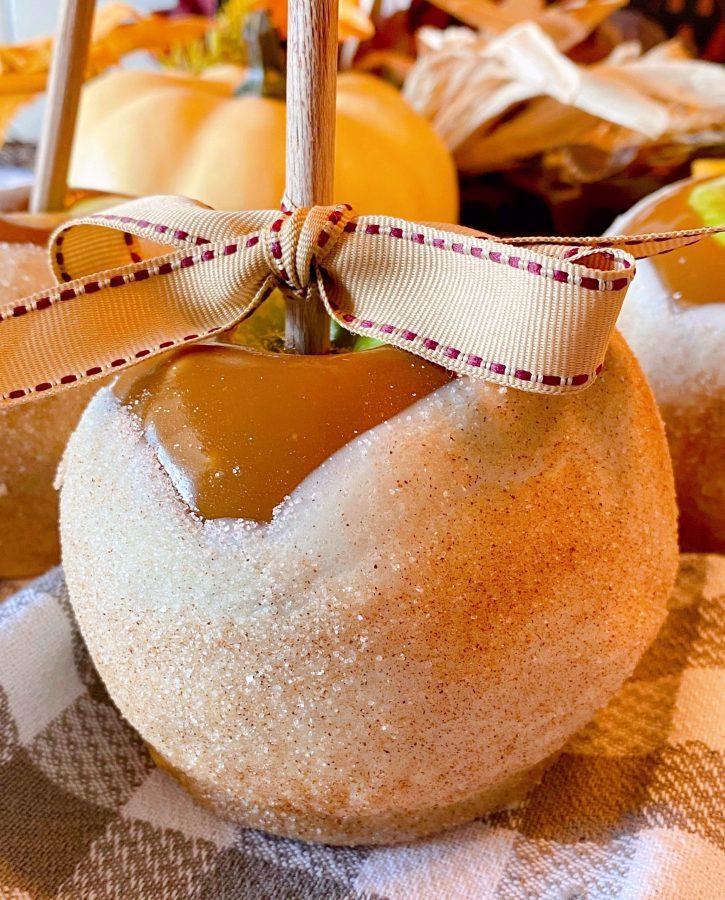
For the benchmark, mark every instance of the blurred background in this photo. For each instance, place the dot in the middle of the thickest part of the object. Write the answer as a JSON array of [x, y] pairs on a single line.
[[23, 20], [558, 116]]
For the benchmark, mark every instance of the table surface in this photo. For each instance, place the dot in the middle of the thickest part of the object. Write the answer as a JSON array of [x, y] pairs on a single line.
[[632, 808]]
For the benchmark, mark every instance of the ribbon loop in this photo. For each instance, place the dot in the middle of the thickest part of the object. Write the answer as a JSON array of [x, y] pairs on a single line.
[[158, 273]]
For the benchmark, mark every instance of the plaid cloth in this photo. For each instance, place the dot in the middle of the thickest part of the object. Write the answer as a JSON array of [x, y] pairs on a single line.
[[632, 809]]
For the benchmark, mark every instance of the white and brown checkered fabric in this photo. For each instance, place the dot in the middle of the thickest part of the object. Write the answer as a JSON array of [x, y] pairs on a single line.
[[632, 809]]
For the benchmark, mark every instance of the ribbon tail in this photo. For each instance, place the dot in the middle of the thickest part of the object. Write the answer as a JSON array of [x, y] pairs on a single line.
[[92, 326], [639, 246]]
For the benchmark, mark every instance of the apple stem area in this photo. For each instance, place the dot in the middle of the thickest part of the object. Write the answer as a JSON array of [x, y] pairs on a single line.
[[307, 325], [310, 159]]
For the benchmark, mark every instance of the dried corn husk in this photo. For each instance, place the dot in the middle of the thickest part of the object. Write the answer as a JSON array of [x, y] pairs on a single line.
[[567, 23], [497, 99]]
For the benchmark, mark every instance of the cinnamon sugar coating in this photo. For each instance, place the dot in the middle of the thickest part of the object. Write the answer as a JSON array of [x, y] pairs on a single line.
[[425, 621]]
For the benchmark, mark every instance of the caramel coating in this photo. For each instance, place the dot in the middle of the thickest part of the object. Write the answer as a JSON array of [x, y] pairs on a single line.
[[239, 452], [426, 619], [32, 440], [674, 320]]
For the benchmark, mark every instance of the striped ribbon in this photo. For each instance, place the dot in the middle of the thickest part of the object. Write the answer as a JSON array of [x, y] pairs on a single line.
[[161, 272]]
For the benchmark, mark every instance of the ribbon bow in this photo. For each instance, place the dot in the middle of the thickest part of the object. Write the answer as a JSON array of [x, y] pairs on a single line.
[[158, 273]]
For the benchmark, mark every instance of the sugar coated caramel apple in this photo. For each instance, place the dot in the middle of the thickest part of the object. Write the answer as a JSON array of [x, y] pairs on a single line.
[[353, 599], [240, 453], [674, 320], [32, 439]]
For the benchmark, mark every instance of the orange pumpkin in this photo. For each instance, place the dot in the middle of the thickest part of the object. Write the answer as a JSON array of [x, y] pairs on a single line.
[[162, 132]]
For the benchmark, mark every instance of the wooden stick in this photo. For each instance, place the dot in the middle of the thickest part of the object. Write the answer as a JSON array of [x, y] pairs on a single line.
[[64, 89], [311, 93]]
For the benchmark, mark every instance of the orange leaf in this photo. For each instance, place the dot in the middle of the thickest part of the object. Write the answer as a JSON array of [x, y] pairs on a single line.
[[352, 23], [118, 29]]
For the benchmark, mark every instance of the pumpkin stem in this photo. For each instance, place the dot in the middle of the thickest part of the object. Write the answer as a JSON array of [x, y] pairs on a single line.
[[265, 58]]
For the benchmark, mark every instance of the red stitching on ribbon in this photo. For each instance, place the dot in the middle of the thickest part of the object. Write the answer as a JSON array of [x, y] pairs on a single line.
[[144, 274], [471, 359], [496, 256], [115, 281], [158, 227], [95, 371]]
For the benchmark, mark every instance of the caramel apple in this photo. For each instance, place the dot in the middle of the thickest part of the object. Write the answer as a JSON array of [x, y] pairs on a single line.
[[351, 599], [239, 454], [32, 437], [674, 320]]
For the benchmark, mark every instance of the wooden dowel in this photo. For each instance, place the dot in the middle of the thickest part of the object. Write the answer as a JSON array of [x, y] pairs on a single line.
[[70, 56], [310, 162]]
